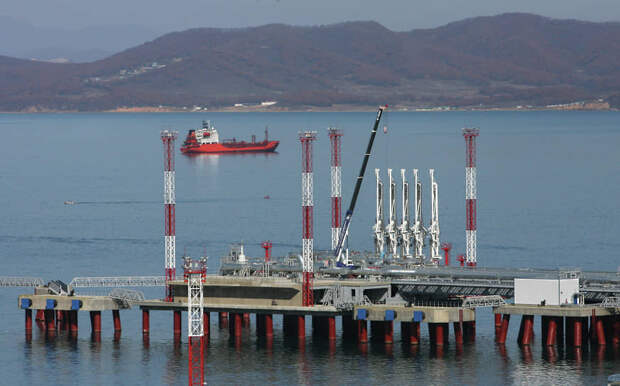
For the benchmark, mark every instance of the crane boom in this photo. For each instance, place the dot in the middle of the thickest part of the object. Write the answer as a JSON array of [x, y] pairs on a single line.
[[347, 220]]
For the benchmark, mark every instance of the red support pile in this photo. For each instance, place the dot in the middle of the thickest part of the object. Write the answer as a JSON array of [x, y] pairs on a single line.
[[196, 360]]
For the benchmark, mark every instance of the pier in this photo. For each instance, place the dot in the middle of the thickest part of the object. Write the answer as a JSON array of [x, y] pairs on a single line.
[[366, 309]]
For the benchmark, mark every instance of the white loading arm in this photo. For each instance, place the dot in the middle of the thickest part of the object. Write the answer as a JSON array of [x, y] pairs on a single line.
[[392, 228], [378, 228], [405, 232], [434, 226], [417, 230]]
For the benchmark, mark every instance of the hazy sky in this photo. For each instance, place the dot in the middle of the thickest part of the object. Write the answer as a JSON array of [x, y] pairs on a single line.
[[394, 14]]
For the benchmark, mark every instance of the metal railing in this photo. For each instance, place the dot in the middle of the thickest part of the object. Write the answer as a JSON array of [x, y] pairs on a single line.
[[126, 295], [14, 281], [119, 281], [483, 301], [611, 302], [342, 298]]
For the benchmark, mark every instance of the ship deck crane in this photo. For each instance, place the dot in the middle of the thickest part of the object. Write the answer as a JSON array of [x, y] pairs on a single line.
[[347, 220]]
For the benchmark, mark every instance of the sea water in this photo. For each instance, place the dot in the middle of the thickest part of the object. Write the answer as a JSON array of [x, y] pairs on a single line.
[[548, 191]]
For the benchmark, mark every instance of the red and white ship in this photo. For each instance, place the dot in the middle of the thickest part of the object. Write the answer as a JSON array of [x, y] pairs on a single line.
[[207, 140]]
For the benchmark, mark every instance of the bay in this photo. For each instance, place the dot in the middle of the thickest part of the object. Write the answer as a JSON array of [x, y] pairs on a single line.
[[548, 188]]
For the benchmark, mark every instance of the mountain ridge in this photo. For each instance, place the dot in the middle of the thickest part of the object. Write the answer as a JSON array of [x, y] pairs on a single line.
[[493, 61]]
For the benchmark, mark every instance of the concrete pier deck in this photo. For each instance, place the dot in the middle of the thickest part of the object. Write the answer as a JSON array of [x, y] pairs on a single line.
[[71, 303], [430, 314], [575, 311]]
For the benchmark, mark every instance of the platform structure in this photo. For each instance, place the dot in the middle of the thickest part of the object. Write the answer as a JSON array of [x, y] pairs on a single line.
[[58, 313], [435, 296], [569, 325]]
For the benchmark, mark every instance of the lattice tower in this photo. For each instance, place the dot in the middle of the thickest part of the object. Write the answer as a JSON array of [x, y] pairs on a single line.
[[168, 138], [335, 136], [470, 135], [195, 273], [307, 205]]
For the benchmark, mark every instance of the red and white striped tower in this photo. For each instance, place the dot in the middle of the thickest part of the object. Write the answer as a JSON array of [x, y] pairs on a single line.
[[334, 139], [168, 138], [195, 274], [307, 207], [470, 194]]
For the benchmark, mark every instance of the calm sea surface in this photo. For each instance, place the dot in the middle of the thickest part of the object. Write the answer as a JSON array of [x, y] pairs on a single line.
[[548, 193]]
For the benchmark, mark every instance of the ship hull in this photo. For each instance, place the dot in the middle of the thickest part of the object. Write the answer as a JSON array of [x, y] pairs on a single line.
[[238, 147]]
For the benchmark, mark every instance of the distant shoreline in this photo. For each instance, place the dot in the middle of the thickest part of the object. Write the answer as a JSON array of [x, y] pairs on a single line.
[[335, 109]]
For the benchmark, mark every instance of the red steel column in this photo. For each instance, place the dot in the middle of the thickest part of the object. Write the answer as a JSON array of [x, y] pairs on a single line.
[[50, 323], [552, 331], [498, 325], [439, 333], [116, 316], [458, 333], [246, 320], [388, 331], [414, 333], [331, 327], [67, 320], [146, 325], [600, 332], [238, 324], [446, 249], [176, 328], [410, 332], [60, 321], [40, 316], [222, 319], [73, 328], [267, 246], [504, 329], [362, 331], [301, 326], [269, 325], [28, 320], [96, 322], [616, 330], [528, 329], [577, 332]]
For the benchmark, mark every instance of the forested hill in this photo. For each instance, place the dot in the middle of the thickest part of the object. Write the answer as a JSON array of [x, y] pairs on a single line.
[[504, 60]]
